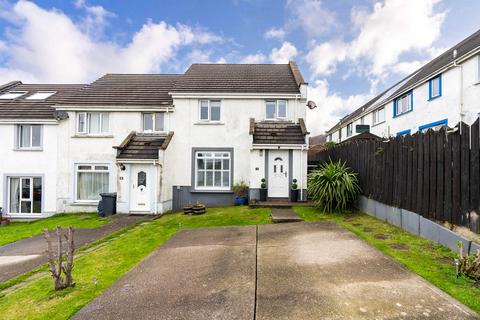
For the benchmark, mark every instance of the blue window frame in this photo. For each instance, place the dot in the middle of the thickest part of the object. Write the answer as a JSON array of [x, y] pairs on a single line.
[[435, 87], [404, 132], [438, 124], [403, 104]]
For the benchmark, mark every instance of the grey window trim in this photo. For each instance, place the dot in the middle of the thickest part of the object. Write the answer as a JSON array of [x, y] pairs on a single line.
[[193, 167]]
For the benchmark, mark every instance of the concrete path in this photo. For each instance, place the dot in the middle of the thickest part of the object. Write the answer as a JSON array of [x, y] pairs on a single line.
[[283, 215], [283, 271], [22, 256]]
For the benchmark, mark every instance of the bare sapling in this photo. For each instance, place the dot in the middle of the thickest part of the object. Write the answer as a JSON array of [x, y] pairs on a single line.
[[468, 265], [61, 263]]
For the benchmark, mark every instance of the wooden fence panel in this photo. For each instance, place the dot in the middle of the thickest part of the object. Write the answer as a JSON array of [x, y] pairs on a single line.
[[465, 172]]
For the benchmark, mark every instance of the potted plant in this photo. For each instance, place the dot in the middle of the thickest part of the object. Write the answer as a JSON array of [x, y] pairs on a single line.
[[263, 190], [188, 209], [240, 190], [294, 191], [199, 208]]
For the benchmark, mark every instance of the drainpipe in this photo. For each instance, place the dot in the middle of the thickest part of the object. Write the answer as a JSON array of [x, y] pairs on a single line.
[[155, 189], [301, 173], [456, 65]]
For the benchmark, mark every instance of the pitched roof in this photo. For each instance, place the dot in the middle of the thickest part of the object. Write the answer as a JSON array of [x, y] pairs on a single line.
[[125, 90], [239, 78], [275, 132], [422, 74], [143, 145], [23, 108]]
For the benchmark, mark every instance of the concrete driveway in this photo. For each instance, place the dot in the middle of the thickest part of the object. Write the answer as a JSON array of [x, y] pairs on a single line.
[[286, 271]]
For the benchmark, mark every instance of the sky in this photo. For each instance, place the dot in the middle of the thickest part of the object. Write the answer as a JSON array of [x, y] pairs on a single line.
[[347, 50]]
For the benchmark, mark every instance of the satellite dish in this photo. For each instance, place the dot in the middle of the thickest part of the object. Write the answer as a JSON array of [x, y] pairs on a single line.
[[311, 105]]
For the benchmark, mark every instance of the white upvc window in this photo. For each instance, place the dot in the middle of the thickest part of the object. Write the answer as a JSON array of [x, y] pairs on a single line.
[[90, 181], [24, 195], [349, 129], [209, 110], [12, 95], [153, 122], [94, 123], [275, 110], [29, 136], [41, 95], [212, 170], [379, 116]]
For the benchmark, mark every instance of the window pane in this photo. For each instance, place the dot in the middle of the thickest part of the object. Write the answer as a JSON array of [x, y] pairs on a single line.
[[209, 164], [81, 122], [218, 179], [200, 164], [25, 136], [37, 195], [218, 164], [147, 122], [226, 164], [14, 195], [270, 113], [226, 179], [282, 109], [84, 167], [94, 122], [100, 168], [142, 179], [91, 184], [26, 206], [209, 181], [105, 122], [215, 110], [201, 178], [36, 134], [204, 110], [159, 122], [25, 188]]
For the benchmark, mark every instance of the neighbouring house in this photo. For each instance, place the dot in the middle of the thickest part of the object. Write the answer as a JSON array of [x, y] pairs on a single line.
[[443, 92], [158, 141]]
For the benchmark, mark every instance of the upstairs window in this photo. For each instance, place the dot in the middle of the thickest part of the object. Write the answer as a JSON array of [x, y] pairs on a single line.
[[94, 123], [349, 129], [379, 116], [210, 110], [153, 122], [276, 110], [403, 104], [435, 87], [12, 94], [40, 95], [29, 136]]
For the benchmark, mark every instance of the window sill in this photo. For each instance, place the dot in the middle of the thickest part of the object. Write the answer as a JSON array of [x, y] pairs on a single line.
[[377, 124], [192, 190], [209, 123], [401, 114], [84, 203], [92, 136], [28, 149], [433, 98]]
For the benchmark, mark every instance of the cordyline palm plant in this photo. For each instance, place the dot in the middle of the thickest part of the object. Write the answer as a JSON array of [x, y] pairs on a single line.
[[333, 186]]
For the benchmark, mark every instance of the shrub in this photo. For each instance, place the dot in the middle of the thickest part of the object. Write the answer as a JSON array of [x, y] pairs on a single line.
[[240, 189], [294, 184], [468, 265], [330, 144], [333, 186], [263, 184]]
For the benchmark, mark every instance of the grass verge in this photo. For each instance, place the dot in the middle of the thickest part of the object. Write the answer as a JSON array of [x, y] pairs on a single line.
[[21, 230], [98, 269], [428, 259]]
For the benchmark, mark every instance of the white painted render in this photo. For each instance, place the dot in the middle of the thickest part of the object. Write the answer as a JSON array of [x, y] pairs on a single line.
[[459, 102]]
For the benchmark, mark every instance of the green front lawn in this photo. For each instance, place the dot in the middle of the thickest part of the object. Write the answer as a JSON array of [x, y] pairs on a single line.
[[20, 230], [98, 269], [426, 258]]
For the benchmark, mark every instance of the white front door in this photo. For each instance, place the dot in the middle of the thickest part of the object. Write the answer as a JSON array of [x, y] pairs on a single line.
[[141, 186], [278, 174]]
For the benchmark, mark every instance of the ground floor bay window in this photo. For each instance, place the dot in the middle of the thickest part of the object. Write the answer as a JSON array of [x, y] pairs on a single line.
[[25, 195], [91, 180], [212, 170]]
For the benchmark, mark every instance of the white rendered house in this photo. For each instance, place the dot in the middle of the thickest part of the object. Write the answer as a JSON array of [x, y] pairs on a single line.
[[158, 141], [442, 93]]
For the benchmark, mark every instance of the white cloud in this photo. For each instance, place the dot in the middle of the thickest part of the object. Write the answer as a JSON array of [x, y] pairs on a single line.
[[330, 106], [254, 58], [384, 35], [95, 20], [275, 33], [310, 15], [283, 54], [47, 46]]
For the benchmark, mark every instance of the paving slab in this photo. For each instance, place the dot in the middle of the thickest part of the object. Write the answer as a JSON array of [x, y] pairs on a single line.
[[198, 274], [283, 215], [34, 248], [322, 271]]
